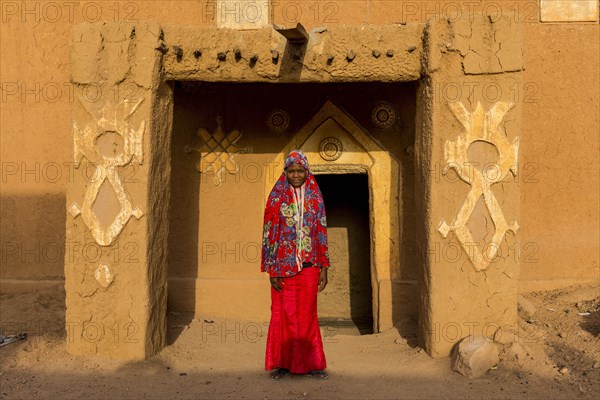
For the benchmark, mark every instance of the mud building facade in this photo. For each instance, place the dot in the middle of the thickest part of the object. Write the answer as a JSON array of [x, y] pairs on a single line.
[[424, 126]]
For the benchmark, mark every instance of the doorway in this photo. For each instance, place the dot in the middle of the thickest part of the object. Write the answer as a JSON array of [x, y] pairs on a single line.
[[346, 304]]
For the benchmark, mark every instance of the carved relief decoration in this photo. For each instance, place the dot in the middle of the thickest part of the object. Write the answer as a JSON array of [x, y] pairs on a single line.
[[107, 117], [480, 126], [278, 120], [217, 151], [104, 275], [383, 115], [330, 149]]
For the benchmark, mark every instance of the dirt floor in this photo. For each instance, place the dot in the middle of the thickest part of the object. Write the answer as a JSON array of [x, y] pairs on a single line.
[[558, 356]]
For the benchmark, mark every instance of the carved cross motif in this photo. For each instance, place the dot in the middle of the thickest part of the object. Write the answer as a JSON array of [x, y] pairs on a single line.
[[217, 151], [480, 126]]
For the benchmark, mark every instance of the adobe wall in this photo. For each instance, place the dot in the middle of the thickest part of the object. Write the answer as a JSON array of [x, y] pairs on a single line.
[[558, 153]]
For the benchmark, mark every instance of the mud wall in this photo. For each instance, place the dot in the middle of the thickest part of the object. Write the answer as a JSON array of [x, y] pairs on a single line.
[[558, 240]]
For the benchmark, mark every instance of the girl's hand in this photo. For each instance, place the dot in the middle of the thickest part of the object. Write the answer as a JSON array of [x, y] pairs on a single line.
[[276, 283], [322, 279]]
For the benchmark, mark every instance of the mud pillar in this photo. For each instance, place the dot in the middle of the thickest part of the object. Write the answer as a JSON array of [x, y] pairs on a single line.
[[118, 197], [467, 151]]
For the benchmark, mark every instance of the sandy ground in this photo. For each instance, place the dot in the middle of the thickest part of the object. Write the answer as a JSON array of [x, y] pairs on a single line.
[[224, 359]]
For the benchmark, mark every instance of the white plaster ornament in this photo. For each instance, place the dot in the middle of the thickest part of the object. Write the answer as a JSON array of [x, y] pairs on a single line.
[[217, 151], [104, 275], [107, 117], [480, 126]]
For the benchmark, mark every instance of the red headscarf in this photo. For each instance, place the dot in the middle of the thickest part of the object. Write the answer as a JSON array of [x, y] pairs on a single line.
[[295, 227]]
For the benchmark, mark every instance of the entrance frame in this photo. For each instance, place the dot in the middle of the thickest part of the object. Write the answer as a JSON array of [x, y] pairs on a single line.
[[131, 296]]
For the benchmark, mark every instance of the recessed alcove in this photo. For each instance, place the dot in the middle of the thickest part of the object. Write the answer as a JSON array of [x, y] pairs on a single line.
[[216, 214]]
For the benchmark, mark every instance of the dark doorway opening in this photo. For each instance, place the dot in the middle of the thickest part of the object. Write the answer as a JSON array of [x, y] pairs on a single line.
[[346, 305]]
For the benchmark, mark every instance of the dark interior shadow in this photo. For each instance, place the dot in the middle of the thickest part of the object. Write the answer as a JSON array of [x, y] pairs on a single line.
[[183, 220], [406, 296], [347, 205]]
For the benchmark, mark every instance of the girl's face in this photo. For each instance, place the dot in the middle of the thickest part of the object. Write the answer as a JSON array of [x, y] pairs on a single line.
[[296, 175]]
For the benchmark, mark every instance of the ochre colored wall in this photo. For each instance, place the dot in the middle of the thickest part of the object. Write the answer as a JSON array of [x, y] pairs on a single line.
[[559, 236], [559, 173], [36, 143]]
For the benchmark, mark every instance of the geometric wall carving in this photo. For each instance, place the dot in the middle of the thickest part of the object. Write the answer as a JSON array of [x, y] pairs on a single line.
[[104, 275], [383, 115], [217, 151], [107, 117], [480, 126], [278, 120], [330, 149]]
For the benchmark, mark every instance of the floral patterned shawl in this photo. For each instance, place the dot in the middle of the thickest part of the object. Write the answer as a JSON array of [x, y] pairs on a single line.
[[295, 227]]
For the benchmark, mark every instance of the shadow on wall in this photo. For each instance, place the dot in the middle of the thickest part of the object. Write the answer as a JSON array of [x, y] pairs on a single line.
[[32, 235], [406, 295], [183, 231]]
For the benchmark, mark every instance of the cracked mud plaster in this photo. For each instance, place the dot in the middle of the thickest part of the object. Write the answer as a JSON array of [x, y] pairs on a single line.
[[125, 62], [460, 293], [112, 53], [487, 45], [107, 322]]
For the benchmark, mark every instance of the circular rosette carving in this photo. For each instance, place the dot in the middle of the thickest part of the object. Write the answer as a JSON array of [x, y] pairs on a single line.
[[330, 149], [383, 115], [278, 120]]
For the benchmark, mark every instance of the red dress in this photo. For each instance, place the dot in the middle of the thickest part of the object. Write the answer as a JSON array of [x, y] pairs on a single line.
[[295, 232]]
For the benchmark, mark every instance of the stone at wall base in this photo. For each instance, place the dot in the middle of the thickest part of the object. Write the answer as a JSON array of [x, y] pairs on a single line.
[[526, 307], [473, 356]]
